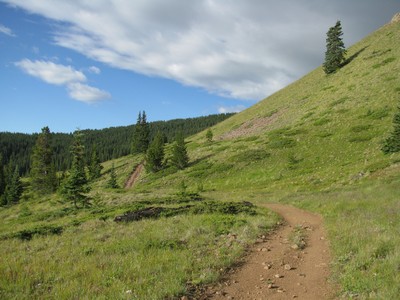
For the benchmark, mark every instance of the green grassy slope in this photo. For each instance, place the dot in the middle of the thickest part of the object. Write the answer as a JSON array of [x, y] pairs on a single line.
[[319, 148], [322, 131], [315, 144]]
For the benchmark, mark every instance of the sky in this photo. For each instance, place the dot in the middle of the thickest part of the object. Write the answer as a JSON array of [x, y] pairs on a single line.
[[71, 64]]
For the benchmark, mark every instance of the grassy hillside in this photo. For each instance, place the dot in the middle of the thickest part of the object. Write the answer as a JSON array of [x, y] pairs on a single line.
[[315, 144], [320, 132]]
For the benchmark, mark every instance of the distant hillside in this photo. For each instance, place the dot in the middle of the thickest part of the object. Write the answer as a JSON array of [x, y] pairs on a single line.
[[110, 142]]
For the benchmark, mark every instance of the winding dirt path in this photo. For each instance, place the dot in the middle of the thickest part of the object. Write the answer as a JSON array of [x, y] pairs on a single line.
[[275, 270], [134, 176]]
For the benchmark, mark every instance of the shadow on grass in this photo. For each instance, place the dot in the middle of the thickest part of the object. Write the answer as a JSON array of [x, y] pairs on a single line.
[[354, 56]]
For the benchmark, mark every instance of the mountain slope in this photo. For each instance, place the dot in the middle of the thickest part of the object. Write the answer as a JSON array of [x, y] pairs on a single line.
[[319, 132], [315, 144]]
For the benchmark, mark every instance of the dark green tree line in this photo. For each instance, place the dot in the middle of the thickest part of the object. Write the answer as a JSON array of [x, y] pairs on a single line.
[[110, 143]]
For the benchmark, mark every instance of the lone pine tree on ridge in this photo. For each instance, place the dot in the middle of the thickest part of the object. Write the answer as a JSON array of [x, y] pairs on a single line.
[[335, 50]]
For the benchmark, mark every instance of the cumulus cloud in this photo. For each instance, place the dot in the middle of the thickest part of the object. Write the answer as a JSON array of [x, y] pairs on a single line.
[[94, 70], [50, 72], [86, 93], [58, 74], [239, 49], [7, 31], [231, 109]]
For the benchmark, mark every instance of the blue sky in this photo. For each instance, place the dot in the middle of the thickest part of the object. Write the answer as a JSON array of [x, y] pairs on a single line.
[[71, 64]]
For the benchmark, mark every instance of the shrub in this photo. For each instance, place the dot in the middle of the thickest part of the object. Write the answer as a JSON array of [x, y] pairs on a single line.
[[360, 128], [251, 155], [321, 121], [282, 142], [360, 138], [27, 234]]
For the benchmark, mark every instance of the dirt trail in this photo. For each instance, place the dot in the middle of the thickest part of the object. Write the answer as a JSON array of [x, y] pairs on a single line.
[[274, 270], [134, 176]]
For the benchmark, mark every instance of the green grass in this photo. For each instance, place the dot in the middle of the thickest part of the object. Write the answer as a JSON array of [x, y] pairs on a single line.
[[363, 224], [320, 150], [325, 155], [148, 259]]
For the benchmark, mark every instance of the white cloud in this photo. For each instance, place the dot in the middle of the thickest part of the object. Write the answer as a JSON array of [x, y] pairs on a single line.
[[50, 72], [238, 49], [62, 75], [94, 70], [231, 109], [86, 93], [6, 30]]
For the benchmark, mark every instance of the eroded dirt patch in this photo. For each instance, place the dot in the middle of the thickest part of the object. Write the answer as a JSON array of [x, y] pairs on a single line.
[[134, 176], [250, 127], [277, 268]]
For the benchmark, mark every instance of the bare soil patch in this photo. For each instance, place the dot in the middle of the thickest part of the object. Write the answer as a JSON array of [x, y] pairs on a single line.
[[250, 127], [134, 176], [276, 268]]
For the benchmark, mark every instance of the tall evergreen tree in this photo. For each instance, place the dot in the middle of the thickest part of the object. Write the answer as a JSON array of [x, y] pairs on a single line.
[[179, 157], [2, 177], [141, 134], [94, 166], [3, 183], [43, 174], [155, 153], [392, 143], [136, 135], [335, 50], [13, 190], [112, 182], [76, 185]]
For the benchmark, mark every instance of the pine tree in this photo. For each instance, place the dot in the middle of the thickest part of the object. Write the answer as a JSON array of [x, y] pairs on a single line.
[[76, 185], [13, 190], [209, 135], [43, 174], [141, 134], [3, 183], [112, 182], [179, 157], [155, 154], [335, 50], [94, 166], [2, 177], [392, 143]]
